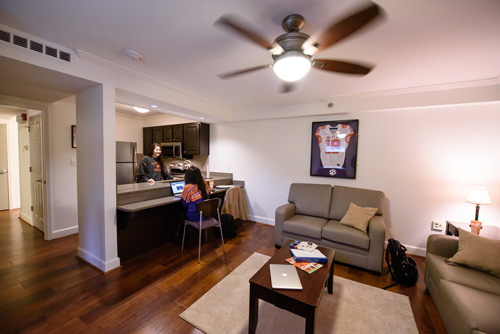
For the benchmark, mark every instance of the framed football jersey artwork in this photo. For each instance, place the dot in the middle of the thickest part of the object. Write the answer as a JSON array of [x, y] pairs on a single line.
[[334, 148]]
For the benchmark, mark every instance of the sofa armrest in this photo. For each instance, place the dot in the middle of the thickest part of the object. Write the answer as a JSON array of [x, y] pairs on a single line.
[[442, 245], [283, 212], [376, 232]]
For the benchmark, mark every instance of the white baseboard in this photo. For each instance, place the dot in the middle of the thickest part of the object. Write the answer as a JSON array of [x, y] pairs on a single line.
[[26, 218], [99, 264], [64, 232], [415, 251], [262, 220]]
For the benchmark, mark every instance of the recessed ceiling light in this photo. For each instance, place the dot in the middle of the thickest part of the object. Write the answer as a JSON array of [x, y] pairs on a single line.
[[153, 106], [202, 117], [141, 110]]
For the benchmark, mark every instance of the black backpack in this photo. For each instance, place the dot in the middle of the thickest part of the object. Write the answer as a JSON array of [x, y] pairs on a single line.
[[403, 269], [228, 226]]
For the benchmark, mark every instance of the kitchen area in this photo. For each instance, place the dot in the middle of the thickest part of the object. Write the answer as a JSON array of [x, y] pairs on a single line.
[[149, 215]]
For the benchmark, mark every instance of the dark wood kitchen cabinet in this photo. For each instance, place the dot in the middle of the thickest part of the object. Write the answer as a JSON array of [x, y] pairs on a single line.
[[194, 136], [172, 133], [151, 135], [147, 139], [196, 139], [157, 134]]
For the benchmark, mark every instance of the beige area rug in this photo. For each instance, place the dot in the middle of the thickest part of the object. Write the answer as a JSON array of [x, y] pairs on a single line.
[[352, 308]]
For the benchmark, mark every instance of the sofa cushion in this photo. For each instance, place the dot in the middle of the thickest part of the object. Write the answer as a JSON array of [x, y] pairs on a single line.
[[336, 232], [440, 271], [358, 217], [304, 225], [478, 252], [470, 308], [311, 199], [343, 196]]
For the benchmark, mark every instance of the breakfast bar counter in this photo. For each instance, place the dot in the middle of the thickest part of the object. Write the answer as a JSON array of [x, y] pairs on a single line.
[[148, 216]]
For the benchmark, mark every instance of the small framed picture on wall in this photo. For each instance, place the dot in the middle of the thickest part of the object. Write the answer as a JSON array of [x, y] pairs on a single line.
[[334, 147]]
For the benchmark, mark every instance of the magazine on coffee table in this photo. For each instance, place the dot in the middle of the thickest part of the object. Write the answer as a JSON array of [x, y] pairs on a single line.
[[308, 267]]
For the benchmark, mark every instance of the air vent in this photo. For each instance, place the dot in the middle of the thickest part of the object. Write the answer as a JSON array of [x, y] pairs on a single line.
[[35, 46], [20, 41], [4, 36], [64, 56], [29, 44], [50, 51]]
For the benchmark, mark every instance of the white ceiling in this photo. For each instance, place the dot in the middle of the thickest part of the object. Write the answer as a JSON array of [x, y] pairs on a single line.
[[418, 43]]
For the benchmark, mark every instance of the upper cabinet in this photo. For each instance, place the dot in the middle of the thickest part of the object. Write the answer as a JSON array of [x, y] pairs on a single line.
[[147, 139], [157, 134], [172, 133], [194, 136], [196, 139]]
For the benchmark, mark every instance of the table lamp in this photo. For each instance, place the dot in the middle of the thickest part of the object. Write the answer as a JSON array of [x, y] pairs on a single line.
[[478, 196]]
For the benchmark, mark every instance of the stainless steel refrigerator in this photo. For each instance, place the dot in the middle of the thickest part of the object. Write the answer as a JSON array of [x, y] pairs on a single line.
[[126, 164]]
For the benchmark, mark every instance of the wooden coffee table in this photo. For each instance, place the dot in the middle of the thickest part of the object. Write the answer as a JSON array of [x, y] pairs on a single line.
[[303, 302]]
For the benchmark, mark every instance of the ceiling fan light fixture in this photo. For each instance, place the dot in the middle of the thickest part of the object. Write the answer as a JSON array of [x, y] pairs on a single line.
[[292, 66]]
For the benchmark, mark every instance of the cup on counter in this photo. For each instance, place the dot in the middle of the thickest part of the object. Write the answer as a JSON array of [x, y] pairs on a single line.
[[211, 184]]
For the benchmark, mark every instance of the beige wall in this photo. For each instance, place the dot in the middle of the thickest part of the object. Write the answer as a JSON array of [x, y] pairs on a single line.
[[424, 159]]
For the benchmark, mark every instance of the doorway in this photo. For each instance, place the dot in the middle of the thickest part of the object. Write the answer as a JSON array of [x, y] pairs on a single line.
[[37, 179], [4, 177]]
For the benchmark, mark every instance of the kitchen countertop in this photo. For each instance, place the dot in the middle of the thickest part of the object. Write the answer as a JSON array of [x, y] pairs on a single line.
[[140, 192], [159, 185]]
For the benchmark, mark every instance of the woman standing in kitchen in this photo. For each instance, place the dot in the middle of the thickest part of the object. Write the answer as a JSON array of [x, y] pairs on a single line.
[[152, 168], [195, 191]]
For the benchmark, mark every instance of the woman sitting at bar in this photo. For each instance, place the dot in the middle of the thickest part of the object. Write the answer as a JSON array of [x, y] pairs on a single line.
[[195, 191]]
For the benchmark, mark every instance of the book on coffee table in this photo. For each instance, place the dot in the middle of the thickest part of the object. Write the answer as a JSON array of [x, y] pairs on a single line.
[[308, 267], [305, 256]]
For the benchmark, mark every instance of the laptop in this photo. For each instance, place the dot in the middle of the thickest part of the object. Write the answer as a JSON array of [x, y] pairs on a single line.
[[177, 188], [284, 276]]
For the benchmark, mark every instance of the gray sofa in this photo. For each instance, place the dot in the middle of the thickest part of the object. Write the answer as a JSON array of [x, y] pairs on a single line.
[[314, 212], [468, 300]]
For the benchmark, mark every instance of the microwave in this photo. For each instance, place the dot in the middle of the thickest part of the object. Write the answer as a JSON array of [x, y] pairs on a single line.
[[171, 150]]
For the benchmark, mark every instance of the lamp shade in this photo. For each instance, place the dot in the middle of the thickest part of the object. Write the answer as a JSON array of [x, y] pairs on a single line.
[[478, 196], [292, 66]]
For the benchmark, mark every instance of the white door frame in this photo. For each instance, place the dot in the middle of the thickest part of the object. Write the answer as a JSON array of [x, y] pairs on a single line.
[[43, 109]]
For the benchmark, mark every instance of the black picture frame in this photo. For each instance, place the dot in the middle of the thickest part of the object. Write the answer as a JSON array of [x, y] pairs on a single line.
[[334, 154], [73, 136]]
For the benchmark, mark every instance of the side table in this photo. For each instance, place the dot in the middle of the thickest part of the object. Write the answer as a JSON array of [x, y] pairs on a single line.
[[488, 231]]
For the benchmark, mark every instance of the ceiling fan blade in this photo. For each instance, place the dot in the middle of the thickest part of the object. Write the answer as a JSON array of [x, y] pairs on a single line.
[[229, 75], [288, 87], [340, 66], [231, 23], [341, 29]]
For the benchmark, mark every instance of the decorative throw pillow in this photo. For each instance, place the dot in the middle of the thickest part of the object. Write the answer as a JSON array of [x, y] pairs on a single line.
[[478, 252], [358, 217]]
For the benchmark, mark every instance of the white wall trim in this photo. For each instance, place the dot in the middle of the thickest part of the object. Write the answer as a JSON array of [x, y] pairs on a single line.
[[104, 266], [26, 218], [262, 220], [64, 232]]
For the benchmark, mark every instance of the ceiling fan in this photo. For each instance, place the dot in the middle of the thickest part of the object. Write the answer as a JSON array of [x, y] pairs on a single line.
[[293, 51]]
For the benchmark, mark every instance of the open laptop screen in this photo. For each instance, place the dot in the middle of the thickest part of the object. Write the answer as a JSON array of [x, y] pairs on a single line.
[[177, 188]]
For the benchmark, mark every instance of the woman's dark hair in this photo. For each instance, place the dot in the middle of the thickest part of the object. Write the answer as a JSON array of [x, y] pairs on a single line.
[[193, 176], [160, 157]]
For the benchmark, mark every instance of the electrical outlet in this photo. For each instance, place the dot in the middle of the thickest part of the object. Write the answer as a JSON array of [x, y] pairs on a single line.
[[73, 161], [437, 225]]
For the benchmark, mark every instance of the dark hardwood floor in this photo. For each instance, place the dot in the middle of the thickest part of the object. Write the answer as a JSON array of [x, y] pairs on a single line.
[[46, 289]]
